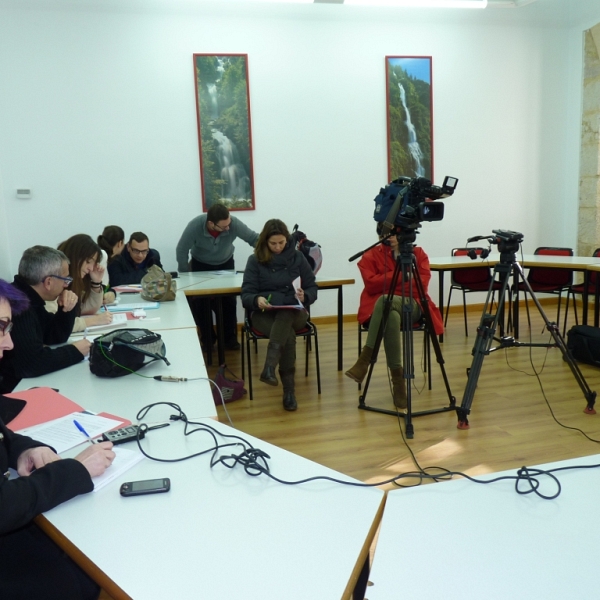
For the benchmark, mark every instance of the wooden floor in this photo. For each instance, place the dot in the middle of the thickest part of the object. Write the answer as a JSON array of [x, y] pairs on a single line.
[[511, 423]]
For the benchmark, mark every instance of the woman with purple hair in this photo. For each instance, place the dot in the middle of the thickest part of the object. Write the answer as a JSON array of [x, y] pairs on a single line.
[[31, 565]]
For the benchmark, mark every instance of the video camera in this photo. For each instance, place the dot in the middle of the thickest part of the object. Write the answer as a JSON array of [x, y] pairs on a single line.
[[405, 202]]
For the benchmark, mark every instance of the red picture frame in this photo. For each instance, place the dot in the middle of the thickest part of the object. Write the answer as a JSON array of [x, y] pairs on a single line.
[[409, 110], [224, 130]]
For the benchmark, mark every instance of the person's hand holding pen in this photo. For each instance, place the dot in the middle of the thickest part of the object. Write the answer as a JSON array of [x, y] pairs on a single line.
[[263, 303], [97, 457]]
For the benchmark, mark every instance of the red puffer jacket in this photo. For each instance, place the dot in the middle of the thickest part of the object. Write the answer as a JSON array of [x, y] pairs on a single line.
[[377, 268]]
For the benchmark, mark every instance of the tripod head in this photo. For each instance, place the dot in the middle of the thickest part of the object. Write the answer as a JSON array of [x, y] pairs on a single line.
[[508, 243]]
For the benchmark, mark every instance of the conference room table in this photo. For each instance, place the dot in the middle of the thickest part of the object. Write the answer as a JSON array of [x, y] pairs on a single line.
[[229, 283], [460, 540], [124, 396], [221, 533], [574, 263]]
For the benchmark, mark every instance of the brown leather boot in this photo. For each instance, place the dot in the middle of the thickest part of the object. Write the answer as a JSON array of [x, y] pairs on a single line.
[[287, 380], [360, 368], [398, 387], [271, 361]]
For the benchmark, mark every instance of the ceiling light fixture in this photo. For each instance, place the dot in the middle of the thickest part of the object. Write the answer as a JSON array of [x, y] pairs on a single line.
[[422, 3]]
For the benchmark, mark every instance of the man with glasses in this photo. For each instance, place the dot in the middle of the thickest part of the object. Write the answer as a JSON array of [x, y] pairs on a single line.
[[209, 240], [43, 276], [133, 263]]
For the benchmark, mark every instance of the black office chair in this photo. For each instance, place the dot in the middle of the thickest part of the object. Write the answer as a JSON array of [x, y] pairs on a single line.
[[419, 326], [473, 279], [251, 334]]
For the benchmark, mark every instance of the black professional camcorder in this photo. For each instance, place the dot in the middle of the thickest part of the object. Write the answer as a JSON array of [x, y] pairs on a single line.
[[405, 202]]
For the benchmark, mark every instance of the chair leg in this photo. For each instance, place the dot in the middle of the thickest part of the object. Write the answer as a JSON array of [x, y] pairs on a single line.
[[465, 313], [448, 306], [306, 356], [317, 359], [249, 357]]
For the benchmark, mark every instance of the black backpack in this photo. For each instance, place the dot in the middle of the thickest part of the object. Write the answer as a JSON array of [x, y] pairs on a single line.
[[583, 343], [311, 250]]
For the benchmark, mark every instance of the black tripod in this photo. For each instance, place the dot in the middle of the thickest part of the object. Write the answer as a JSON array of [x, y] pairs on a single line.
[[406, 266], [487, 327]]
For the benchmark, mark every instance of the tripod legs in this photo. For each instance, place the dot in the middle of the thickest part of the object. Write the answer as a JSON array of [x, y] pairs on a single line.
[[485, 336], [406, 266]]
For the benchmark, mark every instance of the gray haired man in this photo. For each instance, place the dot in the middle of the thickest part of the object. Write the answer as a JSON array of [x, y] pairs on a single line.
[[43, 275]]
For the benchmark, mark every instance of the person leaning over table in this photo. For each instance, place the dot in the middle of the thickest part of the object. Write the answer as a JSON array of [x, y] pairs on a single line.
[[268, 283], [133, 263], [87, 274], [376, 268], [43, 275], [208, 239], [32, 567]]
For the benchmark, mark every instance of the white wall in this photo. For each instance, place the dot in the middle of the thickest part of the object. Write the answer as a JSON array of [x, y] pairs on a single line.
[[97, 116]]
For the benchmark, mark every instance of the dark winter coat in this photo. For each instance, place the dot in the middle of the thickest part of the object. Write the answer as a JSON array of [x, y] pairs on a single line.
[[275, 279]]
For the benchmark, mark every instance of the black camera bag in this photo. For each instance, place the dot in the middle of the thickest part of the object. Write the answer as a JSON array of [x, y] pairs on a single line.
[[583, 343], [123, 351]]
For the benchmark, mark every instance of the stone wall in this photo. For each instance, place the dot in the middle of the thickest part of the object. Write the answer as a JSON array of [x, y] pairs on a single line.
[[589, 170]]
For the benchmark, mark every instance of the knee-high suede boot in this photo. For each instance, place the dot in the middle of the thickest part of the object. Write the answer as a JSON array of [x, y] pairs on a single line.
[[398, 387], [271, 361], [287, 379], [359, 370]]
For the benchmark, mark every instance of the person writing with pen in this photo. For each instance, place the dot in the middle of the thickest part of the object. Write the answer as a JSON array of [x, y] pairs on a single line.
[[86, 273], [31, 565], [277, 304]]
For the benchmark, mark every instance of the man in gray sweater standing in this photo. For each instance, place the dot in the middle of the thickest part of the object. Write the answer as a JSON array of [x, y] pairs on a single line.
[[209, 240]]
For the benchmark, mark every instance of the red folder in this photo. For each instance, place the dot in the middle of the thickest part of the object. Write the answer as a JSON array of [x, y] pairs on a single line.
[[43, 405]]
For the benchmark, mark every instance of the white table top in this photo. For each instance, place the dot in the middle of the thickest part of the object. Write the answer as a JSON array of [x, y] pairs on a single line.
[[122, 395], [169, 315], [230, 282], [461, 540], [220, 533], [527, 260]]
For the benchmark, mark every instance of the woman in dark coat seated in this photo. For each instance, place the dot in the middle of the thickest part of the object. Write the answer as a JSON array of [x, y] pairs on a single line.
[[31, 565], [276, 276]]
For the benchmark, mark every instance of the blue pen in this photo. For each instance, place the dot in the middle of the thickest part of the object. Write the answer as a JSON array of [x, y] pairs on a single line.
[[78, 425]]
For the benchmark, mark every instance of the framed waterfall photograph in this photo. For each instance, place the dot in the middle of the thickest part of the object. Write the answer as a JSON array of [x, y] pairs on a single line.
[[409, 116], [224, 130]]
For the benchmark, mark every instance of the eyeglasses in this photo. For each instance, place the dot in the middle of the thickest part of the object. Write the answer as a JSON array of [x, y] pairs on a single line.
[[219, 228], [139, 252], [67, 280], [5, 326]]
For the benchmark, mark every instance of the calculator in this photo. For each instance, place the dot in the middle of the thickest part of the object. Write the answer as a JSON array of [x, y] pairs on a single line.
[[122, 435]]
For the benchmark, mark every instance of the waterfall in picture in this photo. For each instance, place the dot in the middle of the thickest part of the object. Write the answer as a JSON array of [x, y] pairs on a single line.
[[413, 144], [237, 182], [214, 103]]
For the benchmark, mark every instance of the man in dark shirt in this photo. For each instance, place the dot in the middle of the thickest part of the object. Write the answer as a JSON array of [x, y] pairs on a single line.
[[43, 275], [133, 263]]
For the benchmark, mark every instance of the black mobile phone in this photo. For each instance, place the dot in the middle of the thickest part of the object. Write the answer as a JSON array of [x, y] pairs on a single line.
[[147, 486]]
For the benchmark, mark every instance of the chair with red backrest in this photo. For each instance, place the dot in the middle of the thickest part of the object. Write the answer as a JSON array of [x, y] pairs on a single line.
[[472, 279], [250, 333], [580, 287], [548, 280]]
